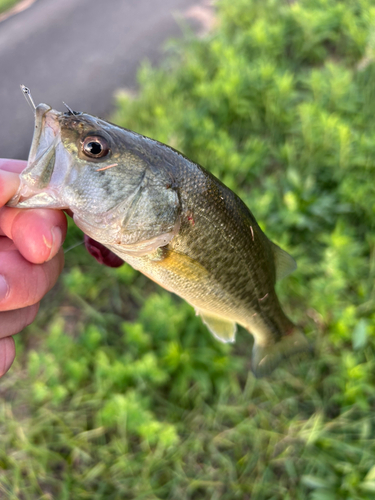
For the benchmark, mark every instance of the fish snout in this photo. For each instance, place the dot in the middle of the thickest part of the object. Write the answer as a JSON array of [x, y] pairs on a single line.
[[36, 183]]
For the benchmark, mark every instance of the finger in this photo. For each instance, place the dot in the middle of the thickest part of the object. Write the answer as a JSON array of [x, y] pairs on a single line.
[[23, 284], [12, 165], [7, 354], [9, 182], [12, 322], [37, 233], [6, 245]]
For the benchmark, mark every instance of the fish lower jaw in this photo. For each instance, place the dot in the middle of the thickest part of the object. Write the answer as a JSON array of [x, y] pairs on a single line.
[[27, 198]]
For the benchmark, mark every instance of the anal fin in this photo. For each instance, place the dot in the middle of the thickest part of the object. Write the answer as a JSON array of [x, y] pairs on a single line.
[[222, 329]]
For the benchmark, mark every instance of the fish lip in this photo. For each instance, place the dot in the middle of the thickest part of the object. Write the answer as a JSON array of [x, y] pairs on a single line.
[[48, 201], [40, 112], [46, 120], [45, 137]]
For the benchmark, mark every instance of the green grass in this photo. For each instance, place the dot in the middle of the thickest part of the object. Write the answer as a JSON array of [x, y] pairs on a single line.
[[119, 391], [7, 4]]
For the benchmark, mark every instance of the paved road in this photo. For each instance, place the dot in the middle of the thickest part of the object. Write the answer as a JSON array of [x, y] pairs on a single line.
[[77, 51]]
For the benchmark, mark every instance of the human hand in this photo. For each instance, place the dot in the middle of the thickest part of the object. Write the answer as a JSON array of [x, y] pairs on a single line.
[[31, 259]]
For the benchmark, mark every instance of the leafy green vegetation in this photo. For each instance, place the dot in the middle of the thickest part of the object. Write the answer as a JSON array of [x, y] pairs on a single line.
[[7, 4], [119, 391]]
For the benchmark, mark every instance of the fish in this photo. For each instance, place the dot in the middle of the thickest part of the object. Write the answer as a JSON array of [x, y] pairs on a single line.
[[169, 218]]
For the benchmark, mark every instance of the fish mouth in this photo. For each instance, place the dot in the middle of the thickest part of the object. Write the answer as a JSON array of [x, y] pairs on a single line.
[[35, 188]]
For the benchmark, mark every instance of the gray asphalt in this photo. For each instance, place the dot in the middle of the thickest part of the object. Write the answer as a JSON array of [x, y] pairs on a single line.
[[77, 51]]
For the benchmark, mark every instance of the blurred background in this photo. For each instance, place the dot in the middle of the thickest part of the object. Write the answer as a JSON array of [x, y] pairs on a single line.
[[118, 390], [80, 53]]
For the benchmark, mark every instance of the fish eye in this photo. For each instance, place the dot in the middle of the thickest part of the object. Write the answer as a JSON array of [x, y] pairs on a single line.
[[95, 146]]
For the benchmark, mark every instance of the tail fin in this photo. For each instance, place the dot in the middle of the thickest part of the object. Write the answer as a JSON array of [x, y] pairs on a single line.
[[266, 358]]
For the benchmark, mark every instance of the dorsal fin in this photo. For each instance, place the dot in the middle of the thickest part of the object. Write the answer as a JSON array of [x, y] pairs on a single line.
[[284, 263]]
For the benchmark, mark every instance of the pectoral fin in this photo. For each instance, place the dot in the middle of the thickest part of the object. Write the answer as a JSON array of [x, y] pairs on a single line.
[[222, 329], [181, 265]]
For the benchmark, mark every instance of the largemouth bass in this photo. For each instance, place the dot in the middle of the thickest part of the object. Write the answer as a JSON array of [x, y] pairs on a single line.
[[167, 217]]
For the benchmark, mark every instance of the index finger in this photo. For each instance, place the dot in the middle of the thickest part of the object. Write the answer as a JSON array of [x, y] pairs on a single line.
[[9, 178], [12, 165]]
